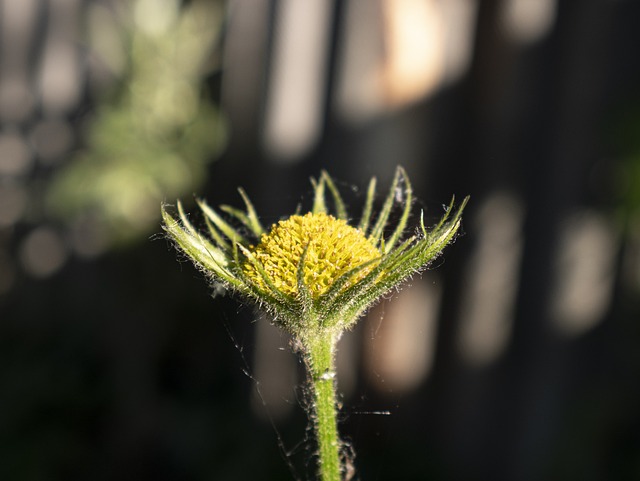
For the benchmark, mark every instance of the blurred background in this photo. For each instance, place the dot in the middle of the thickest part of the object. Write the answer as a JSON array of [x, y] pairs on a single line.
[[517, 357]]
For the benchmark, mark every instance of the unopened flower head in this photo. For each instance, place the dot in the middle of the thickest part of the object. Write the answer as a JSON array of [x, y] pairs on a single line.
[[330, 246], [315, 272]]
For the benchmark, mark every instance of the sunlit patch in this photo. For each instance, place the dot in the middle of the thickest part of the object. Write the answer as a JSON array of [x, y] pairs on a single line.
[[584, 273], [43, 252]]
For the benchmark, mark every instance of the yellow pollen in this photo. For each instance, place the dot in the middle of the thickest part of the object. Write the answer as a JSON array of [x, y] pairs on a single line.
[[334, 248]]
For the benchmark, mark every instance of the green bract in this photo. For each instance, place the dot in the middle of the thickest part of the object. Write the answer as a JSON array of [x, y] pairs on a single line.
[[315, 273]]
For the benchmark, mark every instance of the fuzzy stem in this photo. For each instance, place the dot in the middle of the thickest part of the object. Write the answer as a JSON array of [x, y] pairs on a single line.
[[320, 361]]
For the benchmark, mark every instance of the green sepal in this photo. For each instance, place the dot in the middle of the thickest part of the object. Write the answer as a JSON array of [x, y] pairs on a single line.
[[207, 256], [378, 229], [368, 207], [341, 211], [232, 234], [402, 223], [319, 204]]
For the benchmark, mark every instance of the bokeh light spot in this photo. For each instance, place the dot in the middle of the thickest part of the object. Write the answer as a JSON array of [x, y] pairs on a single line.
[[15, 158], [43, 252]]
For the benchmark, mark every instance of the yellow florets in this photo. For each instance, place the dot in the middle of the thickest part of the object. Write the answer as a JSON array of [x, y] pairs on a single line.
[[334, 248]]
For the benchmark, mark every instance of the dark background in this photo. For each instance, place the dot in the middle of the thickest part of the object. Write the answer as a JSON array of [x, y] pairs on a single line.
[[116, 363]]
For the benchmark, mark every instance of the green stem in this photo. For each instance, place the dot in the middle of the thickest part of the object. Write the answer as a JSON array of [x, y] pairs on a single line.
[[320, 361]]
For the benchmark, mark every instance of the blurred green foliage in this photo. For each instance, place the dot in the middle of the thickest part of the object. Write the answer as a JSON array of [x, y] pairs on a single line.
[[152, 137]]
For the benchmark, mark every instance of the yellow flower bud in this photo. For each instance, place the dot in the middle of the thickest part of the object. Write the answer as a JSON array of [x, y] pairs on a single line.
[[330, 246]]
